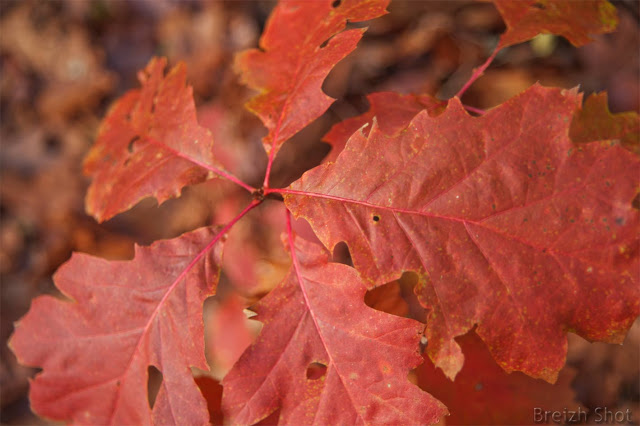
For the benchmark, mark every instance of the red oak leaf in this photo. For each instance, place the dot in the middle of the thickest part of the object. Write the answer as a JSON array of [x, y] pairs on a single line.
[[149, 144], [124, 317], [393, 111], [303, 41], [316, 322], [574, 20], [484, 394], [509, 225], [594, 122]]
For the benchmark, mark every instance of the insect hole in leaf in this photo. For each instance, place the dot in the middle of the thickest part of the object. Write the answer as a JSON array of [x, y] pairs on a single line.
[[154, 380], [316, 371]]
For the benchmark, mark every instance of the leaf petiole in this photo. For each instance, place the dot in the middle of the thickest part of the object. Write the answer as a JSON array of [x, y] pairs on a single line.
[[232, 178], [478, 72]]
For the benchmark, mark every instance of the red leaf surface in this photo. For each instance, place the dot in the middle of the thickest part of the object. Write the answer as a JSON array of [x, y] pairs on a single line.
[[317, 315], [124, 316], [293, 61], [509, 225], [149, 144], [484, 394], [594, 122], [393, 111], [574, 20]]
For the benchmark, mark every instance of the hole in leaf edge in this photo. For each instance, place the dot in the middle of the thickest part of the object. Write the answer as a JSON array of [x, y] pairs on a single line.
[[341, 254], [388, 298]]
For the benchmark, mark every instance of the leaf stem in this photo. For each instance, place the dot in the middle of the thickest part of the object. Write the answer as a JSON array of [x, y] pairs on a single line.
[[478, 72], [268, 191], [233, 179], [474, 109]]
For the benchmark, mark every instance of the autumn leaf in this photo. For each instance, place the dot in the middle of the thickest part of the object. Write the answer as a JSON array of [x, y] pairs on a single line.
[[393, 111], [149, 144], [484, 394], [317, 318], [576, 21], [594, 122], [508, 224], [123, 317], [302, 42]]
